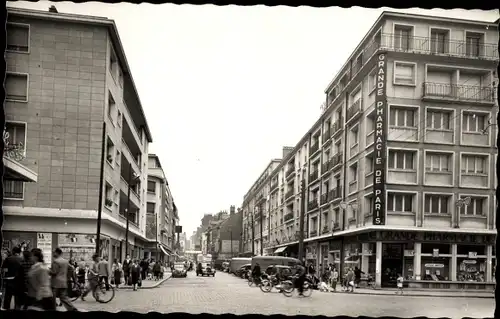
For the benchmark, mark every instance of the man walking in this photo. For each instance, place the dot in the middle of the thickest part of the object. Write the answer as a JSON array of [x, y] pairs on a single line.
[[104, 272], [126, 269], [93, 277], [13, 278], [59, 272]]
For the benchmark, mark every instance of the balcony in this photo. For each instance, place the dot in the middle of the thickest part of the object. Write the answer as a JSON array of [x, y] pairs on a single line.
[[354, 110], [337, 160], [326, 134], [335, 194], [314, 148], [313, 176], [458, 93], [422, 45], [274, 185], [325, 230], [312, 205], [337, 126], [324, 199], [325, 168], [130, 158], [289, 194], [290, 170], [288, 217], [313, 233]]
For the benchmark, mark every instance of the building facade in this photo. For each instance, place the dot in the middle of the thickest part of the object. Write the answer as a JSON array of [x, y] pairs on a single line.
[[159, 212], [400, 167], [70, 95]]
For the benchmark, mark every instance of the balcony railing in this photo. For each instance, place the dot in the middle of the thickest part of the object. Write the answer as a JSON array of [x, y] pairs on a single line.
[[466, 93], [326, 166], [337, 159], [425, 45], [288, 217], [337, 126], [326, 134], [354, 109], [324, 198], [290, 170], [313, 176], [314, 148], [289, 194], [313, 233], [335, 193], [274, 185], [312, 204], [325, 230]]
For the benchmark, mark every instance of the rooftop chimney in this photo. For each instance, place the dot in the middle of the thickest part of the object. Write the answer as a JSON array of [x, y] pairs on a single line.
[[286, 151], [53, 9]]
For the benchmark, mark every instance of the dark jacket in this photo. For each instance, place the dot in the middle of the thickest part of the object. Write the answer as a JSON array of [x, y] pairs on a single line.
[[256, 271], [15, 271], [126, 266]]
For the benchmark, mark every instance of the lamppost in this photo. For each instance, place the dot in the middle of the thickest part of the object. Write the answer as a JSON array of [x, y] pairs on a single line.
[[131, 179], [459, 203], [344, 206]]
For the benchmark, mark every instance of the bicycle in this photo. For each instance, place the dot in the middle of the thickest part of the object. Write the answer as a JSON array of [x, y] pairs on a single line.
[[79, 289], [288, 286], [251, 281]]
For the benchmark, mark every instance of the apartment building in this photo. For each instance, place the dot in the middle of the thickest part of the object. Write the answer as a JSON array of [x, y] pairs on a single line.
[[400, 166], [70, 95], [160, 214]]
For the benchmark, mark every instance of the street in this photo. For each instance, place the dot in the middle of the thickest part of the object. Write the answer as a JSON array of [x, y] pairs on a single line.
[[225, 293]]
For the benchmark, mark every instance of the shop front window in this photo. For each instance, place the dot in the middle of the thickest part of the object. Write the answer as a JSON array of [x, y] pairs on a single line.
[[471, 263], [372, 259], [408, 257], [435, 262], [352, 255]]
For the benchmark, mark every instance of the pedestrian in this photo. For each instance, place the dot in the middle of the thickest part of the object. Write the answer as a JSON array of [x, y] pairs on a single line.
[[104, 272], [144, 268], [400, 282], [27, 263], [39, 289], [71, 279], [350, 280], [13, 279], [59, 273], [126, 269], [81, 271], [93, 277], [135, 274], [117, 272], [357, 276], [335, 279]]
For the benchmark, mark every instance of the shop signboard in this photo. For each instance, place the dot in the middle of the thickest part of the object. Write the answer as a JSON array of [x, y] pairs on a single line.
[[435, 253], [472, 254], [380, 142], [409, 253], [434, 266], [44, 243]]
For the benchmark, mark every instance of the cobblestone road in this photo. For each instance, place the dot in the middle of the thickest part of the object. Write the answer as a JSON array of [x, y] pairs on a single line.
[[225, 293]]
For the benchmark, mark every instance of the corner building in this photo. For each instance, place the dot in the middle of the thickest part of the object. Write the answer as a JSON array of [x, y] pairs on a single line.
[[413, 110], [69, 95]]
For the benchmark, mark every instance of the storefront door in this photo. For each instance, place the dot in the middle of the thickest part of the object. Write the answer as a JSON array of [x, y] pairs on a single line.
[[392, 263]]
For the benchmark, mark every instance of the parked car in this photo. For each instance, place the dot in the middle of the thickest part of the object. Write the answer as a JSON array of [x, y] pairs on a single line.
[[179, 270], [225, 266], [206, 270], [244, 271]]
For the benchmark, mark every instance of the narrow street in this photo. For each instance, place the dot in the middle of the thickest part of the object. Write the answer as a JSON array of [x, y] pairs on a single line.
[[228, 294]]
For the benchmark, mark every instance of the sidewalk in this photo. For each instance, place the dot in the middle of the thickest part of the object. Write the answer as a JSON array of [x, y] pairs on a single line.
[[427, 293], [149, 284]]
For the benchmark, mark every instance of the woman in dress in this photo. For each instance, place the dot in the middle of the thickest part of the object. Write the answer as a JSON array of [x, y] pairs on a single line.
[[117, 272], [39, 289], [135, 274]]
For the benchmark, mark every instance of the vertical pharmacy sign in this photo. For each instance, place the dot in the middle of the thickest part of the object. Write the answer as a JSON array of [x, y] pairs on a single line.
[[380, 142]]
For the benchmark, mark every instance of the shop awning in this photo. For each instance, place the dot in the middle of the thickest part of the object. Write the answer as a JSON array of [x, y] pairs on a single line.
[[280, 250], [164, 250], [14, 171]]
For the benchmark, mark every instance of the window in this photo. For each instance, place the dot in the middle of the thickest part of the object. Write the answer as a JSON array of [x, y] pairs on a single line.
[[150, 208], [108, 201], [118, 157], [403, 39], [13, 189], [15, 134], [110, 151], [18, 37], [439, 120], [473, 122], [353, 172], [16, 87], [111, 108], [113, 63], [437, 162], [120, 78], [474, 44], [400, 202], [437, 204], [354, 136], [404, 73], [473, 164], [476, 207], [402, 117], [439, 41], [151, 187], [368, 205], [369, 164], [401, 160], [372, 81]]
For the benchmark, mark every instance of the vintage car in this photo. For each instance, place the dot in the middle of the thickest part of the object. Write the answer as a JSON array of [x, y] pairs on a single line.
[[244, 271], [179, 270], [206, 270]]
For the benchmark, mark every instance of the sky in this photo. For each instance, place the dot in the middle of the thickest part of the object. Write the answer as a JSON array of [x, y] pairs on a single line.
[[225, 88]]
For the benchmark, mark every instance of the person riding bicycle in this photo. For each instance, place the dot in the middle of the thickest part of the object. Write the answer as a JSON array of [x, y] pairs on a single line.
[[301, 278], [256, 273], [93, 277]]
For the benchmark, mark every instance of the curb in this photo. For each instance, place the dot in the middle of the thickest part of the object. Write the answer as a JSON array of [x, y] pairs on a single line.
[[158, 283], [422, 295]]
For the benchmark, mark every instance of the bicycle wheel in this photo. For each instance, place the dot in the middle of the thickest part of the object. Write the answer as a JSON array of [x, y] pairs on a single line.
[[77, 291], [250, 282], [102, 295], [266, 286], [307, 290], [287, 288]]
